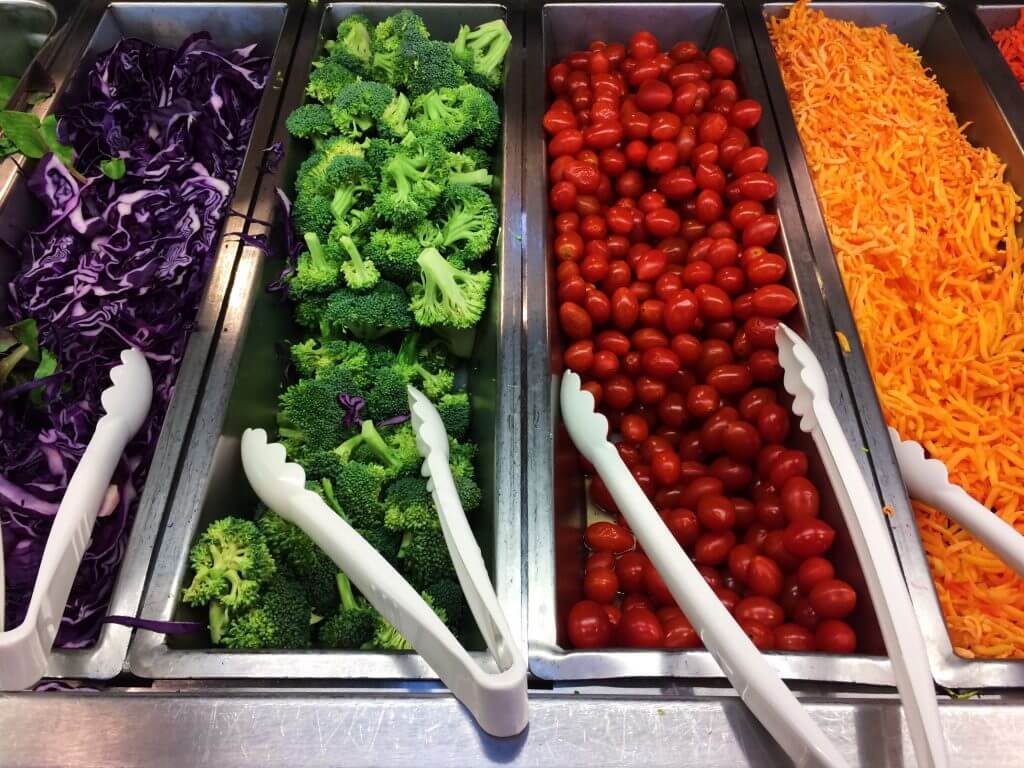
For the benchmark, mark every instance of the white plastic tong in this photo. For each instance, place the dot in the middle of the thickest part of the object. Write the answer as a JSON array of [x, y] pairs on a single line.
[[760, 687], [805, 380], [498, 700], [25, 649]]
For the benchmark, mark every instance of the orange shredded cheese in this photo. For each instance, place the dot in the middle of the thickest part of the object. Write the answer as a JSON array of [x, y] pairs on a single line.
[[923, 224], [844, 343]]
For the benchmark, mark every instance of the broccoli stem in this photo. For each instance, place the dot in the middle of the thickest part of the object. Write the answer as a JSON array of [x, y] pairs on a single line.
[[491, 42], [218, 620], [9, 363], [343, 201], [331, 499], [348, 600], [461, 226], [478, 178], [408, 352], [376, 444], [353, 252]]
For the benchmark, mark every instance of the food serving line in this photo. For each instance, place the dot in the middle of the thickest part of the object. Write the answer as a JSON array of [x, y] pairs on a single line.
[[160, 700]]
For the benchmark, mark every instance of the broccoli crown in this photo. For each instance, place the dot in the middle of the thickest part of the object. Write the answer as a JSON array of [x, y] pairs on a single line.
[[316, 272], [312, 213], [412, 180], [315, 177], [425, 557], [359, 106], [446, 594], [409, 506], [384, 541], [349, 628], [390, 396], [388, 35], [231, 561], [471, 221], [309, 412], [440, 114], [395, 255], [455, 413], [448, 296], [323, 464], [310, 120], [435, 68], [469, 493], [393, 120], [358, 359], [484, 117], [318, 582], [378, 151], [367, 315], [397, 453], [327, 79], [352, 44], [288, 543], [358, 491], [360, 273], [309, 310], [280, 619], [481, 51]]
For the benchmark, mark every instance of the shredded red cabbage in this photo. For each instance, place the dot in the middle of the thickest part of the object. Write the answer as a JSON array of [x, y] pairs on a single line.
[[117, 263]]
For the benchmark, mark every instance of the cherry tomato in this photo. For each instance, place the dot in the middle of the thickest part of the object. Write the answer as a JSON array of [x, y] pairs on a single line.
[[665, 468], [643, 46], [832, 599], [588, 625], [712, 127], [597, 306], [722, 61], [716, 513], [761, 609], [633, 428], [750, 160], [764, 577], [656, 588], [713, 548], [709, 206], [584, 176], [625, 308], [575, 321], [567, 141], [800, 499], [640, 628], [645, 338], [630, 571], [681, 312], [651, 264], [813, 570], [609, 537], [601, 585], [679, 633], [793, 637], [579, 355], [665, 126], [612, 162], [597, 560], [603, 135], [637, 600], [745, 114], [760, 634], [563, 196], [804, 615], [790, 463], [630, 184], [764, 366], [741, 440], [773, 423], [761, 231], [654, 96], [775, 548], [569, 246], [702, 400], [662, 222], [605, 365], [834, 636], [619, 392], [662, 157], [684, 526]]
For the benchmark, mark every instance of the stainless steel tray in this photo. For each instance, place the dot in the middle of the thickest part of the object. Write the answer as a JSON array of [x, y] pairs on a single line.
[[244, 382], [272, 26], [556, 512], [975, 27], [929, 28], [27, 25]]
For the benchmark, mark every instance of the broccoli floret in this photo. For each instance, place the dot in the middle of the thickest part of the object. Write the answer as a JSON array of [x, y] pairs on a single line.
[[460, 458], [434, 383], [441, 115], [315, 273], [447, 595], [318, 583], [231, 561], [368, 315], [471, 221], [281, 619], [459, 341], [288, 543], [219, 619], [455, 413], [448, 296], [312, 213], [358, 359], [360, 273], [389, 33], [435, 68], [351, 46], [310, 120], [327, 79], [484, 118], [392, 122], [360, 106], [378, 152], [412, 179], [387, 638], [425, 557], [481, 52], [395, 255], [309, 413], [384, 541], [358, 491], [390, 396], [355, 622], [469, 493], [409, 506], [308, 311], [317, 174], [397, 453]]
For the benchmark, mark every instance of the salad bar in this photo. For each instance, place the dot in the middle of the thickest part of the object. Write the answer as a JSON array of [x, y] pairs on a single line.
[[531, 383]]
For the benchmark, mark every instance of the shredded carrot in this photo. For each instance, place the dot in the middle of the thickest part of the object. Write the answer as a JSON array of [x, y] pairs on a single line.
[[844, 343], [923, 224], [1011, 45], [888, 511]]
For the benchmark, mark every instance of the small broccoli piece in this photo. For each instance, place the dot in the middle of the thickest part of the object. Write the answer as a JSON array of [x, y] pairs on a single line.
[[409, 506], [309, 414], [469, 493], [378, 152], [310, 120], [435, 383], [219, 619], [397, 453], [395, 255], [387, 638], [459, 341], [355, 622], [327, 79], [435, 68], [352, 44], [231, 561], [358, 490], [481, 52], [384, 541], [391, 60], [317, 174], [360, 273], [308, 311], [389, 396], [392, 122], [389, 33], [424, 555], [448, 296], [455, 413], [368, 315], [358, 359], [439, 114], [446, 594], [471, 221], [350, 178], [318, 583], [312, 213], [281, 619], [360, 106], [315, 272], [412, 180], [460, 457], [484, 118], [288, 543]]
